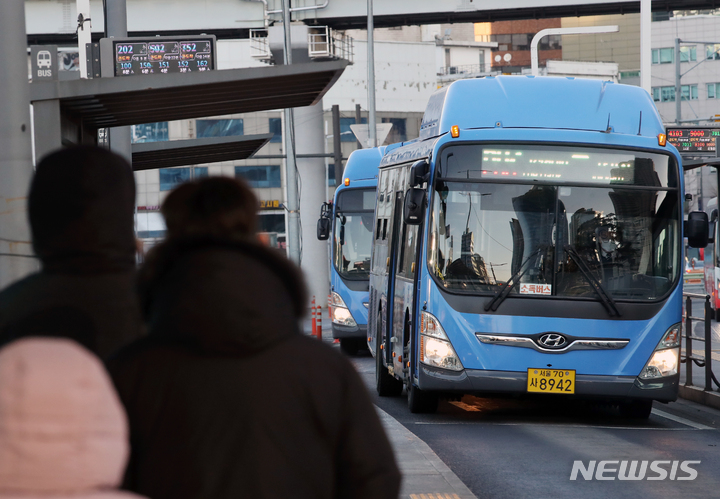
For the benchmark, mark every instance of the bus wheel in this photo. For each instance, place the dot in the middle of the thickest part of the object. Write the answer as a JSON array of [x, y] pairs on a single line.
[[717, 315], [350, 346], [420, 402], [386, 384], [636, 409]]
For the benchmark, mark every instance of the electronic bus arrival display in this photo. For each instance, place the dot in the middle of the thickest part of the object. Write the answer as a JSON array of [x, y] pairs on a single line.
[[163, 55], [693, 139]]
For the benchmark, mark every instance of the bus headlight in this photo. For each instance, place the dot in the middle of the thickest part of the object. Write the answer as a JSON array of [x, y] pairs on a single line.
[[664, 360], [435, 347], [340, 313]]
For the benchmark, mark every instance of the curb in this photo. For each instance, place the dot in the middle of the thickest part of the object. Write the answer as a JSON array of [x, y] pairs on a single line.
[[700, 396], [424, 475]]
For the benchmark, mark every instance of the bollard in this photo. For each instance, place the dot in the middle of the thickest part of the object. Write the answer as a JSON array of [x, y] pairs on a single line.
[[330, 306], [708, 344], [313, 315], [319, 324], [688, 342]]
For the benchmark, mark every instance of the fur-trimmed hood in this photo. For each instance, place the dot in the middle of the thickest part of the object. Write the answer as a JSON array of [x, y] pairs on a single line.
[[221, 296]]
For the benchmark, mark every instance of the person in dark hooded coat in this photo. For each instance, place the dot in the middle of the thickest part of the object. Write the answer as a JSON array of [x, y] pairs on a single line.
[[226, 397], [81, 210]]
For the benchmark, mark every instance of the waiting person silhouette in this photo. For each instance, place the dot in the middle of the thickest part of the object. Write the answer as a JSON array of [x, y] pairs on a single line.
[[63, 431], [226, 397], [81, 208]]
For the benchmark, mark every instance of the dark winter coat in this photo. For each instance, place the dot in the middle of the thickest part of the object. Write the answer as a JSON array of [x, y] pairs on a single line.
[[227, 398], [81, 207]]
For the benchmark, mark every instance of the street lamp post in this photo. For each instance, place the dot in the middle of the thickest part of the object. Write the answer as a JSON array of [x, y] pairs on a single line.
[[562, 31], [372, 131], [679, 75]]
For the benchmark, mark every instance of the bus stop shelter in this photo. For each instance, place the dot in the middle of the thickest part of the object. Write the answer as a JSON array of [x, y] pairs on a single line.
[[72, 112]]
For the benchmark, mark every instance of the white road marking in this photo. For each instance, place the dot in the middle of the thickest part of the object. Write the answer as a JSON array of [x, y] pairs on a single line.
[[559, 425], [680, 420]]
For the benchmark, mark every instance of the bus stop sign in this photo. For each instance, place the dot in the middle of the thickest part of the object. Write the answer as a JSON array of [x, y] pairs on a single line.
[[44, 63]]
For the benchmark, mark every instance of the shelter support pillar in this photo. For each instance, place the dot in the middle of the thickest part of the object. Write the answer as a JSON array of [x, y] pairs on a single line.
[[16, 165], [309, 135], [47, 125]]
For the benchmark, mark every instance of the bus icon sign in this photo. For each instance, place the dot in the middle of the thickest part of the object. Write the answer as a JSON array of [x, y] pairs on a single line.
[[43, 59], [44, 62]]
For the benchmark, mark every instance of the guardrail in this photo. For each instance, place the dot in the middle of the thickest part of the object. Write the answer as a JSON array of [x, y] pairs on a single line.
[[689, 358]]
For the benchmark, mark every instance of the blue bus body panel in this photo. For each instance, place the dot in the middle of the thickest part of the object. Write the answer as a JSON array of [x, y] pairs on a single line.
[[461, 328], [629, 361], [353, 299]]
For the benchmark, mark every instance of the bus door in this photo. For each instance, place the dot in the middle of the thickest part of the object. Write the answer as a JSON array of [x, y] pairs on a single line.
[[394, 234], [404, 291]]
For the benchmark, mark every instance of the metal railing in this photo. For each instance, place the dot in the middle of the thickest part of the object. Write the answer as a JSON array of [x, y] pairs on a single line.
[[259, 47], [689, 358], [461, 70], [326, 43], [323, 43]]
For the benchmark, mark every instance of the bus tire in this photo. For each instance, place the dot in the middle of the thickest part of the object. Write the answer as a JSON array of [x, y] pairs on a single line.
[[636, 409], [421, 402], [349, 346], [386, 384], [716, 315]]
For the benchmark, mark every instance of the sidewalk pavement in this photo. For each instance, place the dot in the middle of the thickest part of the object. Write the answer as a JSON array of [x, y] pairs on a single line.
[[425, 476]]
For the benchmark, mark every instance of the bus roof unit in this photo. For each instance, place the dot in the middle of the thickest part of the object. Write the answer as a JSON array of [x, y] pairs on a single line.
[[363, 164], [566, 103]]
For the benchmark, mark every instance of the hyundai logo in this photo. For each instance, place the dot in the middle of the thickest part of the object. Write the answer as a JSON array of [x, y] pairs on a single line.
[[552, 340]]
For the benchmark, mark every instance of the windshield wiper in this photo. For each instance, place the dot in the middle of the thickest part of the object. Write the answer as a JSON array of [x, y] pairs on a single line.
[[504, 291], [605, 298]]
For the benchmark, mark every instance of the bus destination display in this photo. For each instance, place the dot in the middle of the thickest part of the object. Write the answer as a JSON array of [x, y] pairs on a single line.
[[693, 139], [163, 56]]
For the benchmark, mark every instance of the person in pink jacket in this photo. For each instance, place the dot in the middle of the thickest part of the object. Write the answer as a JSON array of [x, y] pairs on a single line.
[[63, 431]]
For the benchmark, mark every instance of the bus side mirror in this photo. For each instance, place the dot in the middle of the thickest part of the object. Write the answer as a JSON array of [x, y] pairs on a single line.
[[414, 207], [323, 229], [697, 229], [419, 172]]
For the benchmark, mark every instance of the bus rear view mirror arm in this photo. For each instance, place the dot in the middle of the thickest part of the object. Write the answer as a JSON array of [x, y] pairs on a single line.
[[697, 229], [419, 172]]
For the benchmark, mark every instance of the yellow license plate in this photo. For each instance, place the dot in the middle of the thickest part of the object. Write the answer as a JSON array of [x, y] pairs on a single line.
[[551, 380]]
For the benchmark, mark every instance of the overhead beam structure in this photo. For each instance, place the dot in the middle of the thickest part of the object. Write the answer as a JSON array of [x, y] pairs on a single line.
[[349, 14], [222, 17]]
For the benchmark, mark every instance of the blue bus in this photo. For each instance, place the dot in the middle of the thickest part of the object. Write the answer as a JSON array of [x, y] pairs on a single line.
[[350, 219], [531, 242]]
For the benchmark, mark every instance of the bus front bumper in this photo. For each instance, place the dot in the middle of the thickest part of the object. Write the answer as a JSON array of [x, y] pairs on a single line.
[[472, 381], [340, 332]]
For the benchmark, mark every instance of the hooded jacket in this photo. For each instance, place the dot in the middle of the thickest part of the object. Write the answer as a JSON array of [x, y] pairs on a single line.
[[226, 397], [63, 432], [81, 206]]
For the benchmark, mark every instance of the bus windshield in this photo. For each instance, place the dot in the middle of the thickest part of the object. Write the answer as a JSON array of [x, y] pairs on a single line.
[[352, 237], [600, 215]]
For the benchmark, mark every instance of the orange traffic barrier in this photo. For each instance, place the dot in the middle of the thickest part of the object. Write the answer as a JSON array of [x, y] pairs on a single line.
[[319, 323], [314, 320]]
